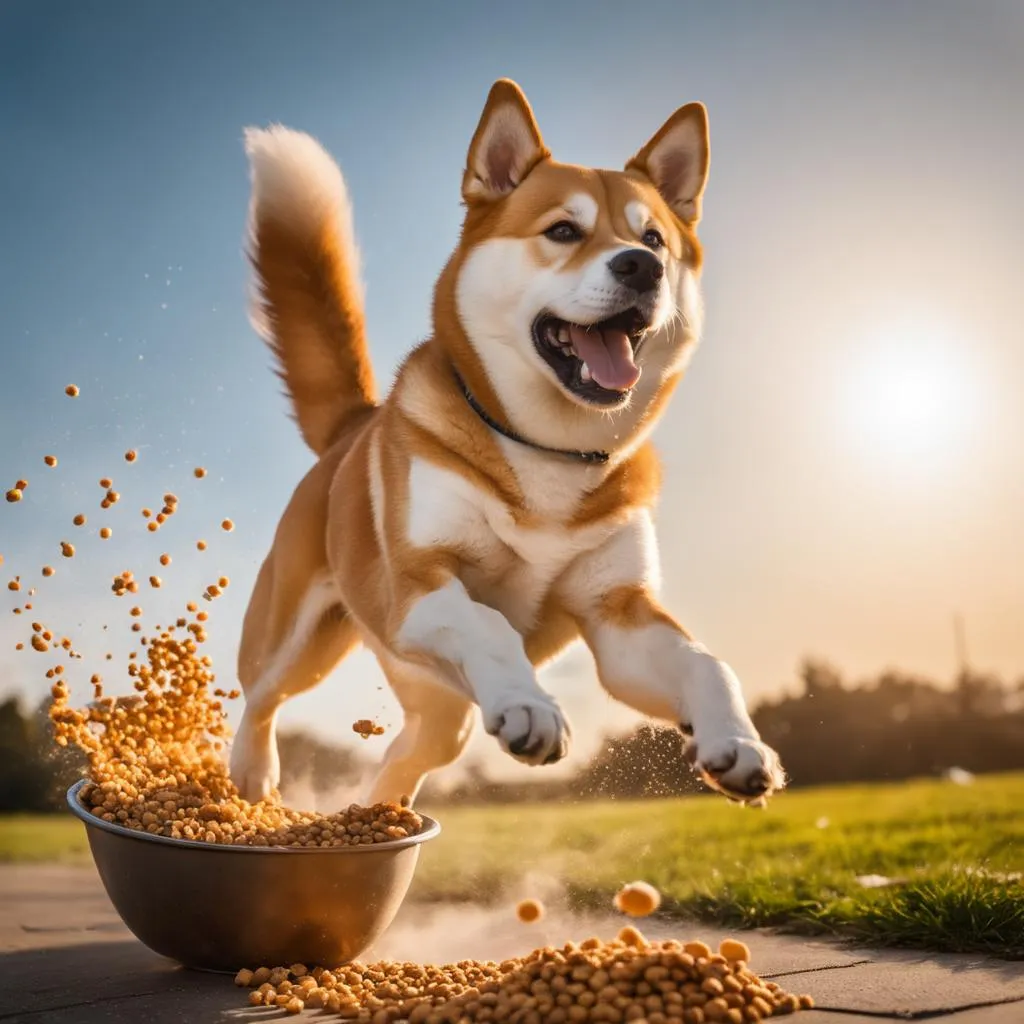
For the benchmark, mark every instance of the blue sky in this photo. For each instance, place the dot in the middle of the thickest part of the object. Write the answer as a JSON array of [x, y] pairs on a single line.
[[862, 228]]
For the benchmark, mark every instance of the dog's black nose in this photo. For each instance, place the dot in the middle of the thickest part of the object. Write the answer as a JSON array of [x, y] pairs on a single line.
[[637, 269]]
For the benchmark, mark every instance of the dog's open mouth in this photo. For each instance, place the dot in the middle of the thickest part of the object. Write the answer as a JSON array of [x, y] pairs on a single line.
[[596, 362]]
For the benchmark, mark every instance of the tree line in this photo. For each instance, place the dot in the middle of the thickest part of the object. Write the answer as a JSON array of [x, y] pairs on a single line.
[[891, 727]]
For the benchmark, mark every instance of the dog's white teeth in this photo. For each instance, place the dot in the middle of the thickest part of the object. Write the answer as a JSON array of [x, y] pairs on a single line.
[[551, 334], [585, 374], [563, 336]]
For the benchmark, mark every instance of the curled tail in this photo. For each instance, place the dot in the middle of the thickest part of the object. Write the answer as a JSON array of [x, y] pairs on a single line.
[[308, 301]]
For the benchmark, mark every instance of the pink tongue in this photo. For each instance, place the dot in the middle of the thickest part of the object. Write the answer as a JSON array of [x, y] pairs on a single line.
[[609, 355]]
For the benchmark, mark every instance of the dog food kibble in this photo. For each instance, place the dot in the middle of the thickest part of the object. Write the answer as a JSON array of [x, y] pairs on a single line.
[[72, 391], [638, 899], [155, 582], [733, 949], [199, 472], [627, 979], [105, 532], [48, 570], [367, 728], [529, 911], [200, 545], [227, 525], [165, 559], [106, 483], [131, 455], [15, 584], [21, 485], [14, 494], [66, 549], [50, 460], [79, 520]]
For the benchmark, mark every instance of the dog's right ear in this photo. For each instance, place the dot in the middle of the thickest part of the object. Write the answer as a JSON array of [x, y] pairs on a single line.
[[506, 146]]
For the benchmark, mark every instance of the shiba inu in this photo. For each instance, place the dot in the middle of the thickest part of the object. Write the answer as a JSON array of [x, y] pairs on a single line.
[[497, 504]]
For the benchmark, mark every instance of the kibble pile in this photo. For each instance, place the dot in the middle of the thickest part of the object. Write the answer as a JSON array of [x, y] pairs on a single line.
[[628, 979], [156, 760]]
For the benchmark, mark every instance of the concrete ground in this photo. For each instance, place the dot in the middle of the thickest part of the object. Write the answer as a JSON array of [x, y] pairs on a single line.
[[65, 958]]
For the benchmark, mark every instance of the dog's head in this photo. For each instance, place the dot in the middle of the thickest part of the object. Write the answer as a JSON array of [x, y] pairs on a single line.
[[576, 288]]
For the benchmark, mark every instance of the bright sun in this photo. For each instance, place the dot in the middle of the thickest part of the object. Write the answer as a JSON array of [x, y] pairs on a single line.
[[910, 394]]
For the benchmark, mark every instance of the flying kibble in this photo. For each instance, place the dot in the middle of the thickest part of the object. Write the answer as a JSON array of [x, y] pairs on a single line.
[[21, 485], [199, 472], [106, 483], [66, 549], [201, 545], [72, 391], [637, 899], [50, 460], [165, 559], [48, 570], [227, 526], [131, 455], [529, 911], [105, 532], [79, 520], [14, 494]]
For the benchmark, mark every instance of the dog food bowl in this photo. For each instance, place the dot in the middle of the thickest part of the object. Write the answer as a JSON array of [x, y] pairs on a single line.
[[221, 908]]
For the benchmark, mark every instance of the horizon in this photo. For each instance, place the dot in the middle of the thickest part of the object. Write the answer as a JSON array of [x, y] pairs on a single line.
[[843, 454]]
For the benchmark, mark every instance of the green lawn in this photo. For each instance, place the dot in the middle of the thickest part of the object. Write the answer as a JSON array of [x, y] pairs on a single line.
[[952, 849]]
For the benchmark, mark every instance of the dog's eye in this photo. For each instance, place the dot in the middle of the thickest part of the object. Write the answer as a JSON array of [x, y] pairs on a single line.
[[652, 239], [564, 231]]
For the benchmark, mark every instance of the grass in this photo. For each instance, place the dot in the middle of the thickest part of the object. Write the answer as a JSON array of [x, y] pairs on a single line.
[[952, 851]]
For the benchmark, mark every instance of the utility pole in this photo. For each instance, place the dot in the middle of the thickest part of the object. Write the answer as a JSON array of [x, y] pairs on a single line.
[[960, 644]]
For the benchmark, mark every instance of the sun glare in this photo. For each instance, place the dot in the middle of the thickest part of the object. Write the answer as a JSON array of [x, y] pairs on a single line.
[[910, 393]]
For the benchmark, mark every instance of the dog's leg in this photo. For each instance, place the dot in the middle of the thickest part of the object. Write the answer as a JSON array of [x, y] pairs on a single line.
[[473, 650], [646, 660], [314, 633], [437, 727]]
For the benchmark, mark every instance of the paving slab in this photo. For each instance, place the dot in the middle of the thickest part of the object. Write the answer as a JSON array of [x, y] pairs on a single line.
[[66, 958]]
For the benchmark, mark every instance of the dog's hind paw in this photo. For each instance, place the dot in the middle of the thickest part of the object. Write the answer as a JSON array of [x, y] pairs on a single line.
[[255, 765], [743, 769]]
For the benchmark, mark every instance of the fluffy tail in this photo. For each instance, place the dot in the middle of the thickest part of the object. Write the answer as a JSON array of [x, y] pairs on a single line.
[[308, 301]]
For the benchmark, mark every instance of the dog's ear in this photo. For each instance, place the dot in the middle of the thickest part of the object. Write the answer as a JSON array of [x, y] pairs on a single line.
[[676, 160], [506, 146]]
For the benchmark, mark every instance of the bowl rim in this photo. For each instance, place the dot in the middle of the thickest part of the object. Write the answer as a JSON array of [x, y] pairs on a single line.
[[431, 829]]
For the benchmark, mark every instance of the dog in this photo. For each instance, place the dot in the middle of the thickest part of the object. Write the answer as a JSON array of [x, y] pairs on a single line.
[[497, 505]]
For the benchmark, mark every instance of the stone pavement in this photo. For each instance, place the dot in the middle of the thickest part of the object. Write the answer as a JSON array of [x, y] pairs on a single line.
[[65, 958]]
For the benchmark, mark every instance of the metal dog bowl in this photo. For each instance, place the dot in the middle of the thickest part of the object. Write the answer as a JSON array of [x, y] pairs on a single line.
[[221, 908]]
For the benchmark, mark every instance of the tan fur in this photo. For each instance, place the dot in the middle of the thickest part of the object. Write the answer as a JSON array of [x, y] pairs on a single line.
[[353, 559]]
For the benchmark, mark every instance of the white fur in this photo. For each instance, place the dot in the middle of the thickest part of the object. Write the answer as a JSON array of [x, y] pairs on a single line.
[[447, 510], [582, 209], [638, 216], [295, 179], [255, 767], [482, 657]]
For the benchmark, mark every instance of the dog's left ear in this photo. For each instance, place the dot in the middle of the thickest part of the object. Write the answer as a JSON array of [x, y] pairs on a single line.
[[506, 146], [676, 160]]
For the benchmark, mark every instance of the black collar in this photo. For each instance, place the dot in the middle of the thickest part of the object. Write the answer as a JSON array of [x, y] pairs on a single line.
[[593, 458]]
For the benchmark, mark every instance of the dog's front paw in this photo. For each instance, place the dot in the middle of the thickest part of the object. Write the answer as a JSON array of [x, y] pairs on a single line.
[[532, 729], [255, 765], [743, 769]]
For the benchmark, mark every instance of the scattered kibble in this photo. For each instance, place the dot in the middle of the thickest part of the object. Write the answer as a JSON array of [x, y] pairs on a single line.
[[627, 979], [50, 460], [638, 899], [21, 485], [227, 525], [529, 911], [200, 545], [155, 582], [39, 642], [72, 391], [15, 584], [14, 494], [79, 520], [165, 559], [152, 526], [66, 549], [106, 483], [199, 472], [131, 455], [48, 570], [105, 532]]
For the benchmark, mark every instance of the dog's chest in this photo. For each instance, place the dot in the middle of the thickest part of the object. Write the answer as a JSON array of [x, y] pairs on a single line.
[[510, 565]]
